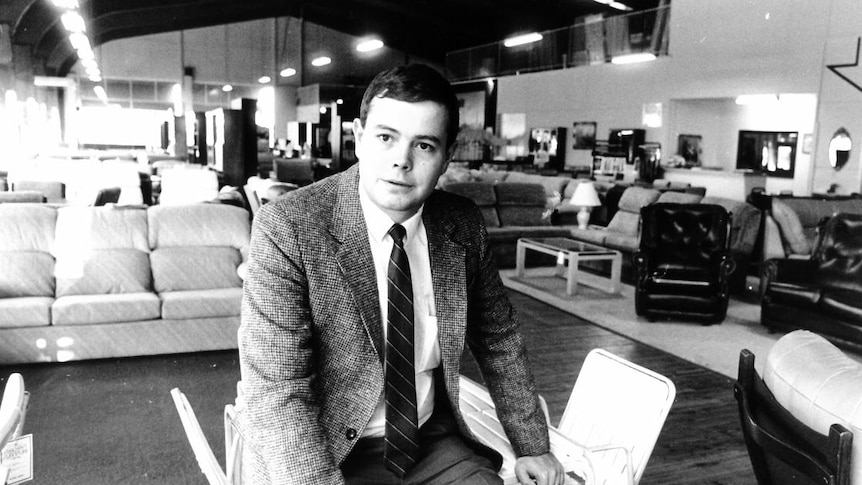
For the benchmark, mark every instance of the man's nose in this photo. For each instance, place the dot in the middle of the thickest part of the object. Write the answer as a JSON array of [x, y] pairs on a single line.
[[404, 157]]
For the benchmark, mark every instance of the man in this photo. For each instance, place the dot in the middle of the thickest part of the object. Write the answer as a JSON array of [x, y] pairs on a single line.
[[322, 343]]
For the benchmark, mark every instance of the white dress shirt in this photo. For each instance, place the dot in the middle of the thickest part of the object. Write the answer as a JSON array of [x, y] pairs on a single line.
[[425, 341]]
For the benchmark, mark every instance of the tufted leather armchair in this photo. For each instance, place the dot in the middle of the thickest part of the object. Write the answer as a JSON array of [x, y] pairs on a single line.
[[683, 262], [823, 293]]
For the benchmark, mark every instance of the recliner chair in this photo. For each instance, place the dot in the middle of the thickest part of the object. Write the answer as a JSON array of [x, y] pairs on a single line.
[[683, 262]]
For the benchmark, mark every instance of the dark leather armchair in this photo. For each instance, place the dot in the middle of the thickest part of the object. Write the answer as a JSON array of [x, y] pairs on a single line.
[[822, 293], [683, 263]]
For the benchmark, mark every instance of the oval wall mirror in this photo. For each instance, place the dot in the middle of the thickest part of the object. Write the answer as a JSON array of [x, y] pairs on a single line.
[[839, 148]]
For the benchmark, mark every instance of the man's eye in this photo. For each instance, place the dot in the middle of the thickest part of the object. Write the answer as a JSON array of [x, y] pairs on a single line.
[[425, 146], [384, 137]]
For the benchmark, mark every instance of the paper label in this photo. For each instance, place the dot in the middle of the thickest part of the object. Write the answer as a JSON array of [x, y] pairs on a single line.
[[18, 457]]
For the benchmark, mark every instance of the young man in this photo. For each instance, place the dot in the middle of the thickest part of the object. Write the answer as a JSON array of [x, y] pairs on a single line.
[[362, 292]]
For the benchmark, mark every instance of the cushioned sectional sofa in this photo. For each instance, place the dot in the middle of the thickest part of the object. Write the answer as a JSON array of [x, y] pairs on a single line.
[[790, 228], [95, 282]]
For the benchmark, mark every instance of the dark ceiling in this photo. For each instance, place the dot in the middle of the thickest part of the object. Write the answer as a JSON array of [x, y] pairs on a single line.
[[424, 28]]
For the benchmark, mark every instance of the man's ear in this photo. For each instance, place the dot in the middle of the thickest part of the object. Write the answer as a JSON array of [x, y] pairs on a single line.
[[357, 136]]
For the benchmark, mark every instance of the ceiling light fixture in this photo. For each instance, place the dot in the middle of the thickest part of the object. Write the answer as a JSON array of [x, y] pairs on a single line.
[[264, 79], [73, 22], [604, 2], [619, 6], [66, 3], [749, 99], [522, 39], [287, 72], [227, 88], [369, 45], [634, 58], [321, 61], [101, 94]]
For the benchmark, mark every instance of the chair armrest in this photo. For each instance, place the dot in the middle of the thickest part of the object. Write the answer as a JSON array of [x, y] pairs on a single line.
[[794, 271]]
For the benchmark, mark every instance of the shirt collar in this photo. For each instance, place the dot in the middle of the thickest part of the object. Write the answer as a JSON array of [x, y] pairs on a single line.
[[379, 223]]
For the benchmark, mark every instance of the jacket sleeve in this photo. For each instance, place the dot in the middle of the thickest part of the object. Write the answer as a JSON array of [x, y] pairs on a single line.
[[277, 358], [498, 346]]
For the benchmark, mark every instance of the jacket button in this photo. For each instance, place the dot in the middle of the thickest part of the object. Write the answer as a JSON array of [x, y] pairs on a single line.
[[350, 433]]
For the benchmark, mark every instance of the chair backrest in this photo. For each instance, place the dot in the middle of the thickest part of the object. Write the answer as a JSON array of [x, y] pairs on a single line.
[[689, 234], [615, 405], [782, 449], [251, 196], [13, 409], [54, 191], [838, 253], [109, 195], [182, 186]]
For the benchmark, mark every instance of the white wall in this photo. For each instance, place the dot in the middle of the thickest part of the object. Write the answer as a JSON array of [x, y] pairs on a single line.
[[718, 49]]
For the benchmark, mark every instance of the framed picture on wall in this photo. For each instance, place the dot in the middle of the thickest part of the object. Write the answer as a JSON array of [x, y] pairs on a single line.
[[688, 147], [584, 135]]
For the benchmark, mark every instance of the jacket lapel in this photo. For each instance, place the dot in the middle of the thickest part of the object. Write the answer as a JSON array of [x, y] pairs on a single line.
[[354, 256], [448, 272]]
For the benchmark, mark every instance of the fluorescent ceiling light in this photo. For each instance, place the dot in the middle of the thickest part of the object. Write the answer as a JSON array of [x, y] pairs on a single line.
[[227, 88], [287, 72], [52, 81], [604, 2], [100, 93], [619, 6], [73, 22], [264, 79], [96, 79], [93, 71], [634, 58], [522, 39], [88, 63], [747, 99], [79, 40], [86, 52], [321, 61], [66, 3], [369, 45]]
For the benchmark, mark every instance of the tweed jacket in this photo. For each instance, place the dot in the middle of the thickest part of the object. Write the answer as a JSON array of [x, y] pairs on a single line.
[[311, 338]]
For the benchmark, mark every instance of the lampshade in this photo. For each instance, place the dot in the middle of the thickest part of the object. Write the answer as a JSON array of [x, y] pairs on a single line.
[[585, 195]]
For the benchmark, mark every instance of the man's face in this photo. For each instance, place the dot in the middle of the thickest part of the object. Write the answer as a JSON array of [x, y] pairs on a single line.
[[402, 152]]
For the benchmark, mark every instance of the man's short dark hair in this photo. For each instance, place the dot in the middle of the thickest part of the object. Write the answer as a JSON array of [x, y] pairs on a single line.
[[413, 84]]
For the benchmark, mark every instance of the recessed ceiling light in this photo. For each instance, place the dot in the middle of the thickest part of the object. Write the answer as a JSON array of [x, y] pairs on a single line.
[[634, 58], [264, 79], [369, 45], [73, 22], [227, 88], [619, 6], [522, 39], [339, 101], [287, 72], [321, 61], [323, 110]]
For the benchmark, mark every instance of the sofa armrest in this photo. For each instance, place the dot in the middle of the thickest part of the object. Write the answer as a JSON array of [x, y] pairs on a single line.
[[792, 271]]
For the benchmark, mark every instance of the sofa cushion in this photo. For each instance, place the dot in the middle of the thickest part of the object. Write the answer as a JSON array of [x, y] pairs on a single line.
[[27, 227], [625, 223], [794, 238], [481, 193], [103, 271], [120, 307], [513, 215], [839, 256], [26, 273], [592, 236], [634, 198], [819, 385], [224, 302], [106, 227], [845, 304], [195, 268], [679, 198], [621, 242], [25, 311], [744, 223], [199, 225]]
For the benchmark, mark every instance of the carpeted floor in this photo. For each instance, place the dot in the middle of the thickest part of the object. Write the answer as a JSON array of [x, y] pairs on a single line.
[[715, 347]]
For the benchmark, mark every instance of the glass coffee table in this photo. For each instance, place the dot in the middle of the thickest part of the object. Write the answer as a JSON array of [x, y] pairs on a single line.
[[570, 252]]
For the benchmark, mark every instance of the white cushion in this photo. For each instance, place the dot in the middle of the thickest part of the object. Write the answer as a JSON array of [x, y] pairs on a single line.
[[819, 385]]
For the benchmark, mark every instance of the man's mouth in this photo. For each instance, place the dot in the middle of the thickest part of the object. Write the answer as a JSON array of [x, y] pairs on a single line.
[[397, 183]]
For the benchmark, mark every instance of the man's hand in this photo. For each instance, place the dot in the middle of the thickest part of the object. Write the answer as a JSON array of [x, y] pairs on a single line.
[[540, 470]]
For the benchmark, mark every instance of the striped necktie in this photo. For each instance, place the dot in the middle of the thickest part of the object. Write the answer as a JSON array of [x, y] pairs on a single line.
[[401, 449]]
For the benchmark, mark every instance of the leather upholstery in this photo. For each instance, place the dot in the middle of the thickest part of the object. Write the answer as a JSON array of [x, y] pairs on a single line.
[[823, 293], [683, 262]]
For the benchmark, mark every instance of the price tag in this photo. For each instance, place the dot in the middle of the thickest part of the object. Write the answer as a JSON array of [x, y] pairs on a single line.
[[17, 456]]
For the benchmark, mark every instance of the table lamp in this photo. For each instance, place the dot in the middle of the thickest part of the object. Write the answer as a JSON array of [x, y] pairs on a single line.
[[586, 198]]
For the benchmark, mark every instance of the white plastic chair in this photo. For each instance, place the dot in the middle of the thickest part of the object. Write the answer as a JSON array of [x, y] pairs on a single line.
[[203, 452], [13, 410], [616, 411]]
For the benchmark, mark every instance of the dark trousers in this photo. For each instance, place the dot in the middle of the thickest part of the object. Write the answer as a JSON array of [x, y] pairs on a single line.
[[446, 458]]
